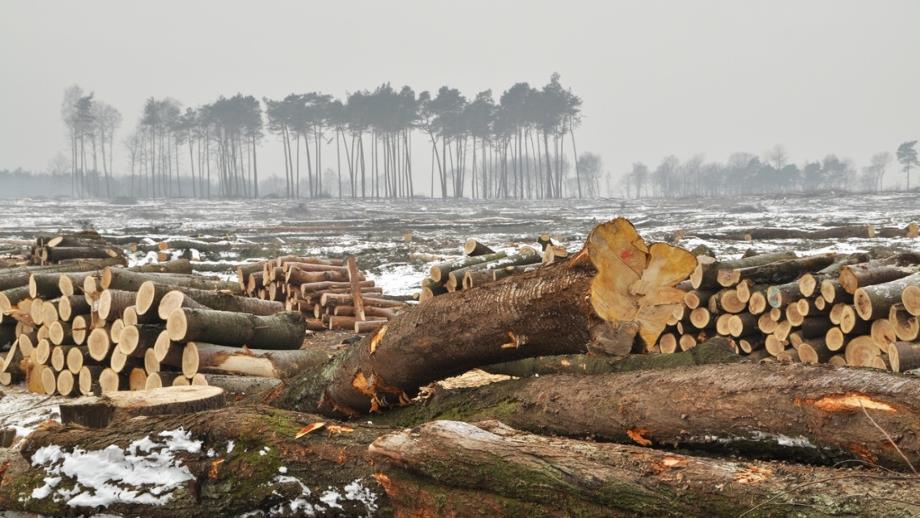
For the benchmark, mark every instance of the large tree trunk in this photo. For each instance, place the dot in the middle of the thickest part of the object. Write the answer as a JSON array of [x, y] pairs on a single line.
[[450, 468], [615, 289], [779, 411], [256, 463]]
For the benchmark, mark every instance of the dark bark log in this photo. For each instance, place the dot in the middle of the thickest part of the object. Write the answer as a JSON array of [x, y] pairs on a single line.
[[856, 276], [123, 279], [875, 301], [61, 253], [705, 276], [500, 471], [807, 413], [150, 294], [783, 271], [280, 331], [716, 350], [473, 248], [232, 482]]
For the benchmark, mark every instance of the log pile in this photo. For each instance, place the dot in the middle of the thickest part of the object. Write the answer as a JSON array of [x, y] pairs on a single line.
[[481, 265], [84, 327], [329, 293], [86, 244], [827, 308]]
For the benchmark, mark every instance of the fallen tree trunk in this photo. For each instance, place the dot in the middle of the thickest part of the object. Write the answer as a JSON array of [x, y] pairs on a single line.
[[450, 468], [150, 294], [257, 463], [802, 412], [716, 350], [617, 289]]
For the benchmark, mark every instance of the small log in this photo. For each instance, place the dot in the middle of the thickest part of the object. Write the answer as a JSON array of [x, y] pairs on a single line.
[[706, 273], [440, 271], [94, 412], [473, 248], [219, 359], [151, 294], [65, 383], [869, 274], [71, 306], [875, 301], [861, 351], [98, 344], [906, 326], [112, 304], [832, 291], [280, 331], [910, 297], [782, 295], [883, 333], [904, 356], [777, 272]]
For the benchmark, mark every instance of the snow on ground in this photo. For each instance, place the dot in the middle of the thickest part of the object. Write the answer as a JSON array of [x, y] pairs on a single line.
[[24, 411], [146, 472]]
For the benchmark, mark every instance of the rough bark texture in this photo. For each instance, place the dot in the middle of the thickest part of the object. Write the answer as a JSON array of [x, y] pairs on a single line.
[[799, 411], [716, 350], [280, 331], [510, 473], [124, 279], [220, 359], [230, 483]]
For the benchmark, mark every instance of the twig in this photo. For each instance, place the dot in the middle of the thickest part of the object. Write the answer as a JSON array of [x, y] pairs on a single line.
[[901, 453], [821, 481]]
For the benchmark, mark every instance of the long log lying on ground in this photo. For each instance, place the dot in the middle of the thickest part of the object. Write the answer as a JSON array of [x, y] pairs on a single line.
[[293, 474], [875, 301], [123, 279], [451, 468], [811, 413], [279, 331], [705, 275], [617, 289], [150, 294], [716, 350]]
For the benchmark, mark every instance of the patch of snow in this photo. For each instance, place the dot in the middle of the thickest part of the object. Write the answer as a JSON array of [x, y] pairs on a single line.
[[282, 469], [146, 472], [24, 411], [230, 447], [356, 491]]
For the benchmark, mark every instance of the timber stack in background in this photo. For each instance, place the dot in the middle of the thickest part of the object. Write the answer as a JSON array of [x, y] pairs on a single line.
[[81, 323], [855, 310], [330, 293], [481, 265]]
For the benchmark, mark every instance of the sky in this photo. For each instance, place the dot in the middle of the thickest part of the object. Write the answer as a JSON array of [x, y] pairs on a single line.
[[657, 77]]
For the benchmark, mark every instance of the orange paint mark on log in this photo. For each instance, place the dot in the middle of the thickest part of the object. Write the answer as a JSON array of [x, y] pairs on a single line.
[[638, 435], [753, 475], [378, 336], [850, 402]]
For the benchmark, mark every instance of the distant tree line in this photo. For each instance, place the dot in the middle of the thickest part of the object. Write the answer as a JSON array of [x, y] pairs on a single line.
[[772, 173], [517, 147]]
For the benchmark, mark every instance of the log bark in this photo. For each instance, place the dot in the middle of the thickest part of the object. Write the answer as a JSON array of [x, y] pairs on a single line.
[[280, 331], [783, 271], [875, 301], [451, 468], [617, 289], [63, 253], [236, 480], [473, 248], [150, 294], [705, 275], [867, 274], [113, 303], [439, 271], [220, 359], [716, 350], [124, 279], [810, 413]]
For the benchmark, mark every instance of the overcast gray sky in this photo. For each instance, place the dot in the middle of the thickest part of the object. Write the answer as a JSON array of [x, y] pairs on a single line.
[[656, 77]]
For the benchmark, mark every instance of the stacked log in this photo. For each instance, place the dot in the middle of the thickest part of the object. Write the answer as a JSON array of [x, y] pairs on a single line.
[[481, 265], [83, 329], [827, 308], [87, 244], [329, 293]]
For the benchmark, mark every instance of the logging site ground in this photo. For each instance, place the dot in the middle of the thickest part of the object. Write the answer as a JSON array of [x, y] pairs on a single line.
[[305, 370], [398, 241]]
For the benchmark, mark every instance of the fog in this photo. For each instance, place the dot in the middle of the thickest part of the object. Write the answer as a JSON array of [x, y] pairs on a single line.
[[656, 78]]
